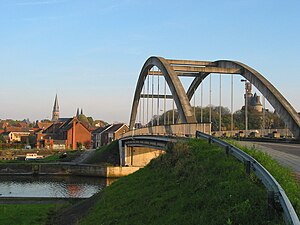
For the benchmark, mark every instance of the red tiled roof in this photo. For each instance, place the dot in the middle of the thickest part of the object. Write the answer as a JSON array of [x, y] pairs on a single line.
[[43, 125], [16, 129]]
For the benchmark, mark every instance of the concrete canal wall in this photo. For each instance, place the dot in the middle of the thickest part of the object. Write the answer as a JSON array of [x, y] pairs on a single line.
[[65, 169]]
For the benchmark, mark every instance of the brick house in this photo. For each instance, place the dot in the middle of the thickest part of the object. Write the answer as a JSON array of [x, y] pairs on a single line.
[[104, 136], [65, 133], [96, 136]]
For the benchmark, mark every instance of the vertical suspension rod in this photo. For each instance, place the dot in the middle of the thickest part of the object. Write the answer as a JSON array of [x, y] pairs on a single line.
[[140, 108], [152, 95], [165, 92], [220, 107], [195, 104], [201, 119], [143, 114], [210, 102], [148, 81], [231, 103], [157, 99], [173, 120], [264, 115]]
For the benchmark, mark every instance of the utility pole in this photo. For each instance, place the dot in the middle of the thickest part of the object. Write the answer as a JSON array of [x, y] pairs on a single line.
[[246, 107]]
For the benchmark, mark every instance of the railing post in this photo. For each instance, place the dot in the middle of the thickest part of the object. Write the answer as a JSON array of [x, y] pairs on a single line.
[[271, 199], [227, 148], [271, 204], [248, 167]]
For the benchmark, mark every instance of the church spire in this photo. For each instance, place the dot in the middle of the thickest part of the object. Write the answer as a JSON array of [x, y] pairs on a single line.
[[55, 112]]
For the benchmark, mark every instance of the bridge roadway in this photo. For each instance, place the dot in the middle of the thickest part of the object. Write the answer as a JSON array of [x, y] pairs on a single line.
[[286, 154]]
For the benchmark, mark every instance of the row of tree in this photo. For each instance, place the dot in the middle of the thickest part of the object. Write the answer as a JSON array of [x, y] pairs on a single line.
[[256, 120]]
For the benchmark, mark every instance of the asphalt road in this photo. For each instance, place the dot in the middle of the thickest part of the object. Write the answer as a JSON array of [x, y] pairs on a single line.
[[286, 154], [293, 149]]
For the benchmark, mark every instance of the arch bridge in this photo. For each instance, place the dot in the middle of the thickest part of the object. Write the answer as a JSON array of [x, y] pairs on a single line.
[[172, 69]]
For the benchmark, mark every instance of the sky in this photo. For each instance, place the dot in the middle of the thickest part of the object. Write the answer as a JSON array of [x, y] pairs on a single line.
[[90, 52]]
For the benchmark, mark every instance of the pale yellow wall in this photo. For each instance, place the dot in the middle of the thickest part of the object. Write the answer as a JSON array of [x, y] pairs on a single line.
[[120, 171], [16, 136], [140, 156]]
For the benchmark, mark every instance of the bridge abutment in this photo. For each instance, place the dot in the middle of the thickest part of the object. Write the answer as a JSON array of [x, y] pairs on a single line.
[[139, 156]]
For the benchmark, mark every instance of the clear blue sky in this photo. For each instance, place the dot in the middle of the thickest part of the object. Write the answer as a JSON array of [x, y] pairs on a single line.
[[91, 51]]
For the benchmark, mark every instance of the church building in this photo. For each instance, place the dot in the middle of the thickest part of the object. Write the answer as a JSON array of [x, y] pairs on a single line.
[[64, 133], [55, 112]]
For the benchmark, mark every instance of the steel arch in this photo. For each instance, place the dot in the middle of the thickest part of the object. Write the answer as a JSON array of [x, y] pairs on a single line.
[[171, 69], [285, 110], [176, 88]]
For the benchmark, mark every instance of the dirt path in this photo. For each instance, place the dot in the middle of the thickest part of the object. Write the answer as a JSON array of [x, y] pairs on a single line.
[[72, 215], [84, 156]]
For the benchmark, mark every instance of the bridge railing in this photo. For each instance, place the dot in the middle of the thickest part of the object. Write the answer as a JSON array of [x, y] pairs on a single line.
[[188, 130], [276, 194]]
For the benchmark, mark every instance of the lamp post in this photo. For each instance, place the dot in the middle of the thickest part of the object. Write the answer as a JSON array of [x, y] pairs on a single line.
[[246, 107]]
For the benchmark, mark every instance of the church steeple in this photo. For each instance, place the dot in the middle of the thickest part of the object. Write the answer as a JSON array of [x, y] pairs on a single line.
[[55, 112]]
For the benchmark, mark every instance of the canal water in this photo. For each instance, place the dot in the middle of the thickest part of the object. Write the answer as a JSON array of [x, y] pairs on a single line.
[[51, 186]]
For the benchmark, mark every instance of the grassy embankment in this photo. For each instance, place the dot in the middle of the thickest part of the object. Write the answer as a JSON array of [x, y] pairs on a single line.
[[194, 183], [31, 214], [71, 155], [283, 175], [108, 155]]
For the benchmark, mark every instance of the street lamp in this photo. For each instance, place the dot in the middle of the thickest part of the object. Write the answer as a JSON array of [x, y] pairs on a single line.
[[246, 107]]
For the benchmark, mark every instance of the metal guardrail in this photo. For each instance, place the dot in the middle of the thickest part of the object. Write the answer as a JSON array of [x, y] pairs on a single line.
[[155, 141], [276, 193]]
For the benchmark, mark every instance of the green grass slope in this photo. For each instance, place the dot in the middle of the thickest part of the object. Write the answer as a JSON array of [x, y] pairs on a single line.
[[194, 183], [283, 175], [108, 154], [31, 214]]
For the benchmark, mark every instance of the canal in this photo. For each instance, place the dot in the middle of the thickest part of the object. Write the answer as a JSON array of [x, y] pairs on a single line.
[[51, 186]]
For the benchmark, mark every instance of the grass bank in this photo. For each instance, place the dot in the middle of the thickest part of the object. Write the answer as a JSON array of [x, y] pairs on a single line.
[[108, 154], [57, 157], [194, 183], [283, 175], [31, 214]]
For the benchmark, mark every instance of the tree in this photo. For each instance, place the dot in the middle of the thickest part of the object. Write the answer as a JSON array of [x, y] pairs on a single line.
[[87, 144], [2, 138], [82, 118], [91, 120]]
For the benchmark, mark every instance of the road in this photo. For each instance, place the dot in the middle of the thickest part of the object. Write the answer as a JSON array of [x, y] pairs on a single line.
[[286, 154]]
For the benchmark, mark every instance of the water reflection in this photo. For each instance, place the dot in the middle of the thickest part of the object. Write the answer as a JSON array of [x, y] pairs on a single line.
[[51, 186]]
